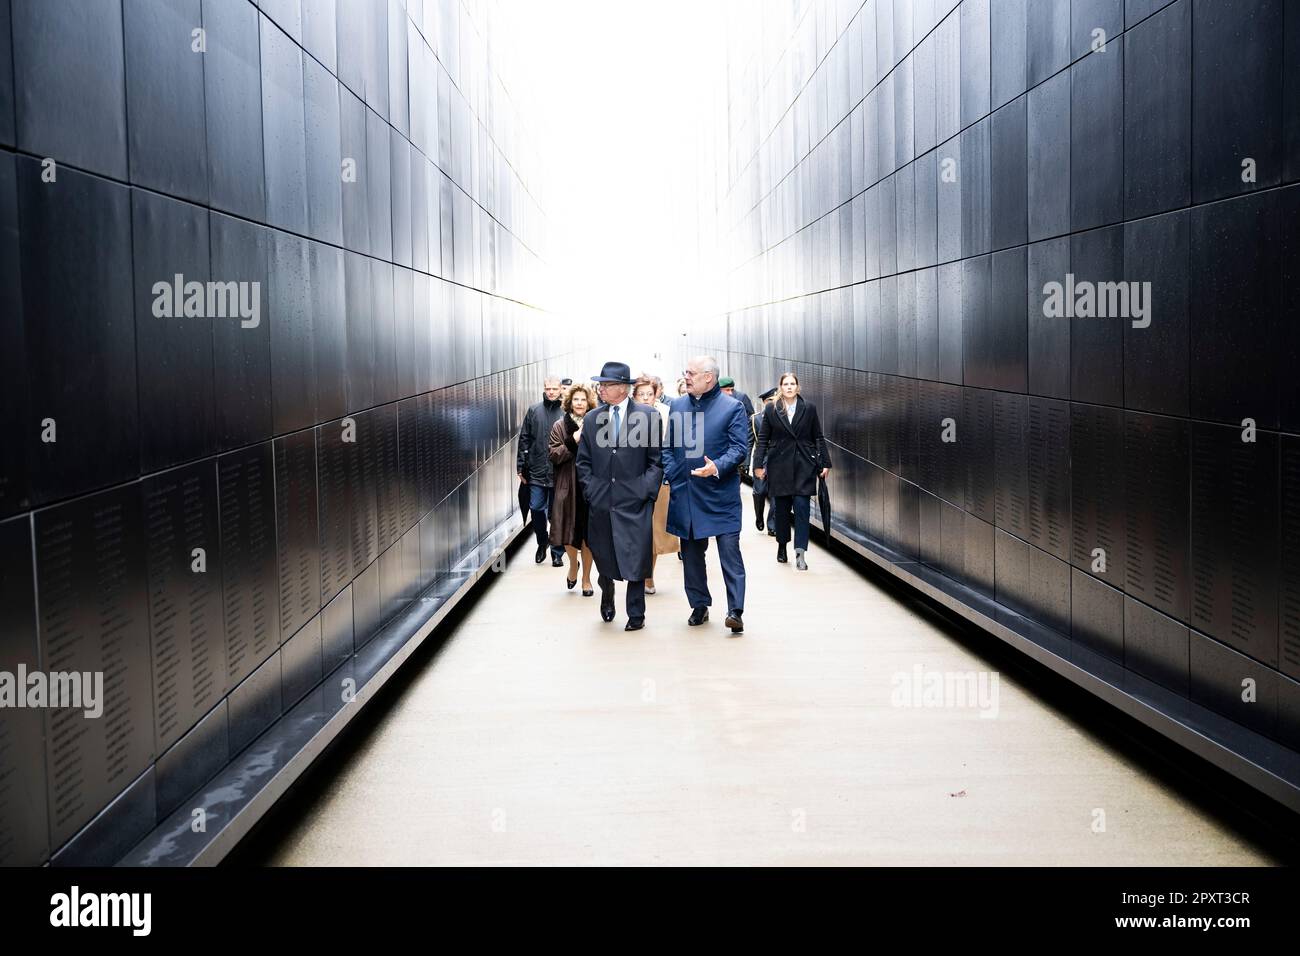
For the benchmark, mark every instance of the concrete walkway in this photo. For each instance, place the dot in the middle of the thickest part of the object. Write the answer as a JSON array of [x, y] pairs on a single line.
[[540, 735]]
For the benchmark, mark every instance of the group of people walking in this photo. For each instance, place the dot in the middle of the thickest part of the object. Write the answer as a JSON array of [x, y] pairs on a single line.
[[625, 476]]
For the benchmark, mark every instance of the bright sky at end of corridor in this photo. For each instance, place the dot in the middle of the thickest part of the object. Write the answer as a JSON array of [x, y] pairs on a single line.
[[624, 107]]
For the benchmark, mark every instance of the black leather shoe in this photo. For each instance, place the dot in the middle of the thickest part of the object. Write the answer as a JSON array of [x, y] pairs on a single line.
[[771, 533], [780, 554], [607, 605], [587, 592], [634, 624], [758, 523], [734, 622], [572, 584], [540, 556], [698, 616], [679, 556], [557, 561]]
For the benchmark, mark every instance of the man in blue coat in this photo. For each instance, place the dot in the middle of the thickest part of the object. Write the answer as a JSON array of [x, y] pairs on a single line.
[[708, 438]]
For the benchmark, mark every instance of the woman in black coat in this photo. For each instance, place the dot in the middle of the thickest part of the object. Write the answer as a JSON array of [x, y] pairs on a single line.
[[790, 455]]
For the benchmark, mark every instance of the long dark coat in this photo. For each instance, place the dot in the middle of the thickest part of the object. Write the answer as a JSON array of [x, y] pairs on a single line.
[[621, 483], [569, 509], [789, 472]]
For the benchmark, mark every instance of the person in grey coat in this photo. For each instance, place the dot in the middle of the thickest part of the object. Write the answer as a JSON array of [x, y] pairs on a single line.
[[533, 465]]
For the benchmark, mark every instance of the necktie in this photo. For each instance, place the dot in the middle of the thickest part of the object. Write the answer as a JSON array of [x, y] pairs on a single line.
[[617, 425]]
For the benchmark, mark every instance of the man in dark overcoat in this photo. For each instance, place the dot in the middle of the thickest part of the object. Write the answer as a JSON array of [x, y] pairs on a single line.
[[619, 465]]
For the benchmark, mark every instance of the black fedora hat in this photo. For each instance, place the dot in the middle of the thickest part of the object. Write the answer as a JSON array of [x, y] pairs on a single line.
[[614, 372]]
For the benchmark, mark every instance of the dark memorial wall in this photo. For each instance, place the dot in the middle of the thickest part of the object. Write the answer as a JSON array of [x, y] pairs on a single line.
[[904, 181], [214, 502]]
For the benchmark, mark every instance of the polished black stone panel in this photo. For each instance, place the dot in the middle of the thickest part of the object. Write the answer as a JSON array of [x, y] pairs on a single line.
[[300, 663], [385, 331], [952, 540], [1094, 23], [319, 36], [978, 556], [360, 332], [1156, 361], [293, 360], [1135, 10], [1234, 538], [94, 617], [297, 529], [885, 340], [1097, 339], [420, 178], [1048, 119], [1289, 595], [79, 330], [363, 479], [948, 159], [1011, 463], [930, 524], [1009, 53], [241, 351], [1156, 508], [977, 437], [329, 332], [24, 831], [14, 485], [947, 72], [173, 333], [352, 147], [1097, 137], [404, 324], [255, 704], [336, 630], [1291, 106], [1006, 348], [1097, 467], [1011, 572], [1156, 646], [367, 604], [186, 623], [284, 130], [949, 280], [927, 209], [399, 153], [6, 76], [1233, 684], [1289, 337], [976, 190], [337, 460], [392, 583], [1237, 54], [1048, 335], [1047, 38], [975, 66], [1234, 364], [117, 828], [1096, 616], [1049, 476], [195, 759], [323, 144], [977, 337], [70, 83], [927, 324], [232, 84], [378, 185], [1158, 112], [886, 224], [1009, 195], [1049, 590], [905, 216], [909, 520], [382, 432], [246, 486], [164, 98]]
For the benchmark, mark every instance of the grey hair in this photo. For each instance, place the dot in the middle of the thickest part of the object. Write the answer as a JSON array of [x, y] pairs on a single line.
[[710, 365], [551, 378]]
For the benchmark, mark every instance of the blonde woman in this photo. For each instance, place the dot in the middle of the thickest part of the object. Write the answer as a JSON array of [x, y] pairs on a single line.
[[645, 392], [569, 510]]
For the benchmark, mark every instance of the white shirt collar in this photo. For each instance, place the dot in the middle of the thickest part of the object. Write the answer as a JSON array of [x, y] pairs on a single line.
[[622, 408]]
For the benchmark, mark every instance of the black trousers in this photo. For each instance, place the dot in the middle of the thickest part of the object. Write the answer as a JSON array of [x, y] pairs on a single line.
[[635, 597], [696, 574], [801, 504]]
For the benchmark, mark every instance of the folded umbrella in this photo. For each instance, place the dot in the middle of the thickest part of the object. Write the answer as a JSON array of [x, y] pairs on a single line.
[[824, 505], [523, 501]]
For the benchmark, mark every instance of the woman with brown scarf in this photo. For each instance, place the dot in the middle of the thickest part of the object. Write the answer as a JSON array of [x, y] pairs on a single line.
[[569, 509]]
